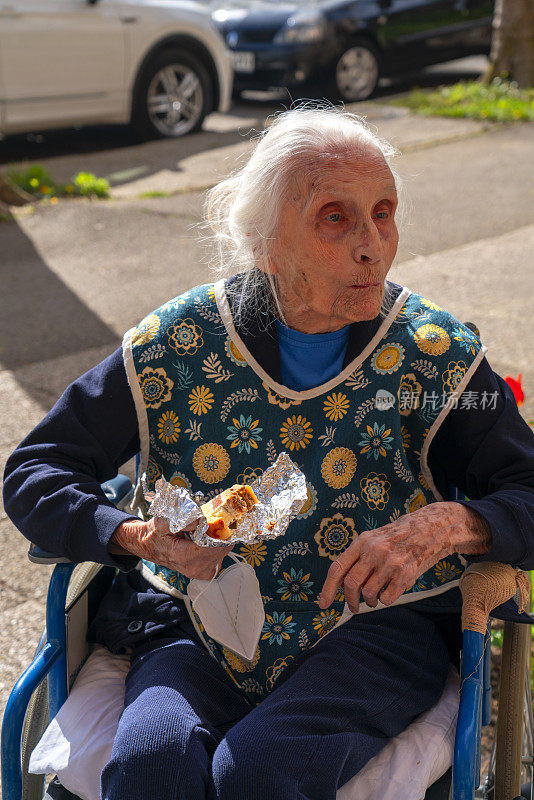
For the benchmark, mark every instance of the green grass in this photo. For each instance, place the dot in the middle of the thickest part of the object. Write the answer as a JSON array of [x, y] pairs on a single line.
[[155, 194], [499, 101]]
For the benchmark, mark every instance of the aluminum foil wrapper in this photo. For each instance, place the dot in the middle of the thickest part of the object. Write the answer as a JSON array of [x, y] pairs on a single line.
[[281, 492]]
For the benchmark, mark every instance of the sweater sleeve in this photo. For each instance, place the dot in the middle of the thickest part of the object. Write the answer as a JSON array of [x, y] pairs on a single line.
[[52, 480], [487, 451]]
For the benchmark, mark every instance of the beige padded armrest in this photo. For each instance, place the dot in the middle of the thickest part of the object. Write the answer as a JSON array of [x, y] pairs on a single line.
[[485, 586]]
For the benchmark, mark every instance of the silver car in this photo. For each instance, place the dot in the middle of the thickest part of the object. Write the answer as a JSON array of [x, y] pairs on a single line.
[[159, 65]]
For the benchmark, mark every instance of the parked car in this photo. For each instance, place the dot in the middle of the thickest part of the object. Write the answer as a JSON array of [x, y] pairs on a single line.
[[348, 44], [160, 65]]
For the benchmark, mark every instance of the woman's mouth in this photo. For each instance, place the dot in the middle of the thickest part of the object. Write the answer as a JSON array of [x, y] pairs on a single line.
[[367, 285]]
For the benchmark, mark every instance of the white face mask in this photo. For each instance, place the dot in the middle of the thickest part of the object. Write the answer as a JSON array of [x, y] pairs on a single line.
[[230, 607]]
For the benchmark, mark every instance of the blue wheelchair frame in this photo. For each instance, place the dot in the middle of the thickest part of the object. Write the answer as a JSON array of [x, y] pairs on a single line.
[[51, 661]]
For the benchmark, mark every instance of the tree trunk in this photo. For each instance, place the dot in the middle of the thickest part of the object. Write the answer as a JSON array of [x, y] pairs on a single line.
[[11, 194], [512, 46]]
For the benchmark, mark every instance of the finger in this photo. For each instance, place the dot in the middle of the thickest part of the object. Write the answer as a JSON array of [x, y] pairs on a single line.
[[353, 583], [392, 591], [336, 574], [372, 587]]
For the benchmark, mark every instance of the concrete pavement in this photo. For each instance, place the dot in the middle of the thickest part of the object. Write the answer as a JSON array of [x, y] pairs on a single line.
[[76, 275]]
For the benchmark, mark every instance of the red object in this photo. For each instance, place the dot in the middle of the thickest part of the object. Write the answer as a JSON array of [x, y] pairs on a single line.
[[515, 386]]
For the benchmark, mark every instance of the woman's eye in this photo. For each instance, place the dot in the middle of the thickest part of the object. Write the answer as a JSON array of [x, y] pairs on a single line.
[[382, 214], [334, 216]]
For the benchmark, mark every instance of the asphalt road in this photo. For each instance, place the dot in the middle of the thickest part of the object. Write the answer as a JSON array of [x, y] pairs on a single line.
[[77, 274]]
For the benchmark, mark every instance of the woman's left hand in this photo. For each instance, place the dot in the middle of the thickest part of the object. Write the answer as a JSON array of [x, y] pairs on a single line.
[[381, 564]]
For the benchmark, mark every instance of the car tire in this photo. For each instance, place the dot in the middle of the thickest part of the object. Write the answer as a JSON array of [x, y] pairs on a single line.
[[172, 97], [355, 72]]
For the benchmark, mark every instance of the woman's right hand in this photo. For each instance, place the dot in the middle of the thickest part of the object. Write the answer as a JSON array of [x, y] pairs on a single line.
[[154, 541]]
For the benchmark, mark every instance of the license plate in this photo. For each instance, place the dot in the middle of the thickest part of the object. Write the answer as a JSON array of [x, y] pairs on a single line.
[[244, 62]]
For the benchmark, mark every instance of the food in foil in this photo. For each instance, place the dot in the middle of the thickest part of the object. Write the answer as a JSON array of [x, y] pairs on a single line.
[[227, 509], [280, 492]]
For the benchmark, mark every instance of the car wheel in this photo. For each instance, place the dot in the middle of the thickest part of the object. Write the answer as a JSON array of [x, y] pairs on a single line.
[[356, 72], [172, 96]]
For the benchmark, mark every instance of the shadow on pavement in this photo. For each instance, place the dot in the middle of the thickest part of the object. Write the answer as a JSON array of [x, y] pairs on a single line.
[[40, 317], [113, 152]]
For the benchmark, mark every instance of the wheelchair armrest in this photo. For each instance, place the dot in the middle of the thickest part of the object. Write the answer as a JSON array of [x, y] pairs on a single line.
[[119, 490], [485, 586], [37, 555]]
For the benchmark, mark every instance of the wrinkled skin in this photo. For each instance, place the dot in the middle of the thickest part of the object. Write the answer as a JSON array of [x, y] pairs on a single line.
[[154, 541], [336, 242], [337, 239], [383, 563]]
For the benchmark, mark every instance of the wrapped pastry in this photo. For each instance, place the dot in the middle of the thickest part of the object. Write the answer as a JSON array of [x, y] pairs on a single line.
[[240, 513], [225, 511]]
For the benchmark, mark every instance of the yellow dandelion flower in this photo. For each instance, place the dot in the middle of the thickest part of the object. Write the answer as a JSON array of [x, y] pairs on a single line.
[[201, 400], [296, 432], [254, 553], [168, 427], [336, 406], [326, 621]]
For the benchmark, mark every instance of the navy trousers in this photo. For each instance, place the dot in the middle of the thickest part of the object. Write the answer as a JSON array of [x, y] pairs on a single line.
[[187, 733]]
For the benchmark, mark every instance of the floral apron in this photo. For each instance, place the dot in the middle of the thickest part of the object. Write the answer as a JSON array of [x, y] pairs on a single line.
[[209, 416]]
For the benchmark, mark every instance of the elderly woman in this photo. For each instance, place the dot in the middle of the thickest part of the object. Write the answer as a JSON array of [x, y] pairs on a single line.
[[382, 398]]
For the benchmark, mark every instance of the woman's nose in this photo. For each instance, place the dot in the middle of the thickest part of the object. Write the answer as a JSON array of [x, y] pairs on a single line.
[[368, 244]]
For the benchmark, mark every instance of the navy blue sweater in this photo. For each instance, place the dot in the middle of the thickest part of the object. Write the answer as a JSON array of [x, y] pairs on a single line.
[[52, 481]]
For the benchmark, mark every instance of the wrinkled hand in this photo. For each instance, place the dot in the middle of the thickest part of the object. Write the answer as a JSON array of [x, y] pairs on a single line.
[[381, 564], [155, 541]]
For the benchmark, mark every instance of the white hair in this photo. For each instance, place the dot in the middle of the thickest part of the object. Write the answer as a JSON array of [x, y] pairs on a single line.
[[243, 210]]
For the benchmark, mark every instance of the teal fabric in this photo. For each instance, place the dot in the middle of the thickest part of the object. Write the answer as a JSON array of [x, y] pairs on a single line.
[[309, 359], [214, 421]]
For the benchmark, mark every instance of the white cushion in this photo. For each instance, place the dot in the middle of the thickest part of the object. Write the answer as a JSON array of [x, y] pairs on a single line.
[[77, 743]]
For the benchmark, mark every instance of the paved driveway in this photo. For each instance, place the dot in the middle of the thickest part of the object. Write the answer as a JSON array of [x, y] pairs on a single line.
[[76, 275]]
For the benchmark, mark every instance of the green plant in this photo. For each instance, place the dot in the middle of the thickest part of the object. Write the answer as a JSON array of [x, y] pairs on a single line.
[[497, 637], [498, 101], [155, 194], [37, 181], [88, 184]]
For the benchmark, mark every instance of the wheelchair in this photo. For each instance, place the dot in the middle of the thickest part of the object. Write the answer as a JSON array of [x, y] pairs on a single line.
[[75, 592]]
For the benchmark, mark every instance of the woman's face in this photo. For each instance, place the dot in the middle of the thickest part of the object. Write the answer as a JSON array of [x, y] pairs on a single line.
[[336, 242]]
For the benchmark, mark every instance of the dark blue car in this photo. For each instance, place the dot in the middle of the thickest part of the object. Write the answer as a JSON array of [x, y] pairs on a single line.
[[347, 45]]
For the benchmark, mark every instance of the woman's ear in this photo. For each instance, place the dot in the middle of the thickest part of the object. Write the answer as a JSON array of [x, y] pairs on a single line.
[[265, 263]]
